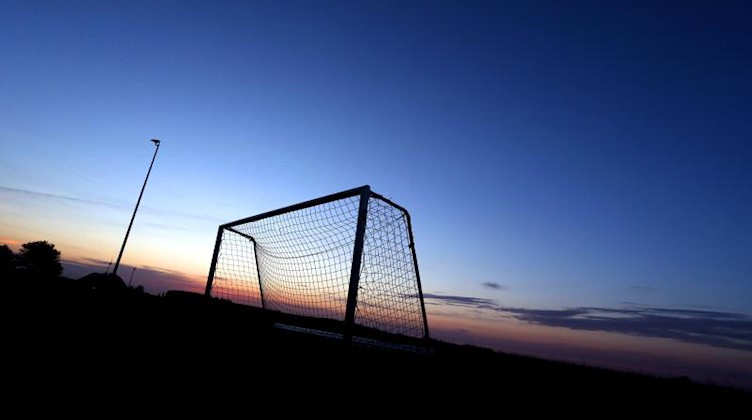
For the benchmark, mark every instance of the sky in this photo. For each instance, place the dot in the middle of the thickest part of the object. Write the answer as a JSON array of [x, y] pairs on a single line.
[[578, 173]]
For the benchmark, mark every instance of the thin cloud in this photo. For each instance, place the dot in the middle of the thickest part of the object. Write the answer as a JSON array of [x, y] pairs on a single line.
[[95, 261], [493, 286], [167, 227], [721, 329], [155, 280], [9, 241], [691, 313], [37, 194], [461, 301], [713, 328], [150, 210], [638, 288], [172, 213]]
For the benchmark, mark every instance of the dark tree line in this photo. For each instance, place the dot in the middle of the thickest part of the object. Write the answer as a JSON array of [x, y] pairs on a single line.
[[39, 260]]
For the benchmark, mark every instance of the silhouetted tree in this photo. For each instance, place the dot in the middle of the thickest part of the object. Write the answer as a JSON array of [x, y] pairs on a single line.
[[39, 259], [7, 263]]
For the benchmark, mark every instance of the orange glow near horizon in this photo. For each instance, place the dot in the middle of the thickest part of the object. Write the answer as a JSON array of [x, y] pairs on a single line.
[[635, 353], [13, 244], [70, 227]]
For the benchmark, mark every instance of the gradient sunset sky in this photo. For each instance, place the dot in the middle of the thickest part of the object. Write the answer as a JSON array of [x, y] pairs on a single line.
[[579, 173]]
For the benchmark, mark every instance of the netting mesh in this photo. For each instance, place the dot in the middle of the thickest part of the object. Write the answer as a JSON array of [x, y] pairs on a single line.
[[235, 278], [300, 262], [388, 288]]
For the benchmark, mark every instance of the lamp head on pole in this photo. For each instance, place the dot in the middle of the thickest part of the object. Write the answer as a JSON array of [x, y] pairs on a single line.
[[156, 142]]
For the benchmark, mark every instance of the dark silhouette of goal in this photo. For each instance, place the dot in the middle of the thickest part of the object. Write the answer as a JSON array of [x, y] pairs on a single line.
[[348, 256]]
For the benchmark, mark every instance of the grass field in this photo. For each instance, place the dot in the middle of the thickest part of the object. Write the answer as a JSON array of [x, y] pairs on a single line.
[[66, 336]]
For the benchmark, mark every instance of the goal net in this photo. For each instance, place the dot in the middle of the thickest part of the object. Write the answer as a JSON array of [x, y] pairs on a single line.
[[348, 256]]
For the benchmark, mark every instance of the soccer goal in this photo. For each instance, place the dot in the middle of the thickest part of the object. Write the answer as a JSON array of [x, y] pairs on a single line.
[[348, 256]]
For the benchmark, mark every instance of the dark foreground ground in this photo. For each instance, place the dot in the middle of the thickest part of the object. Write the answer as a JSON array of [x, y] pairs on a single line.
[[76, 346]]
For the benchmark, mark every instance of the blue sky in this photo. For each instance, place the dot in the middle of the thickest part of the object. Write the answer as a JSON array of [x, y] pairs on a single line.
[[576, 153]]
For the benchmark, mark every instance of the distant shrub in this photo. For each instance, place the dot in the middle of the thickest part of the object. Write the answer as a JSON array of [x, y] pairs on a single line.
[[39, 260], [7, 263]]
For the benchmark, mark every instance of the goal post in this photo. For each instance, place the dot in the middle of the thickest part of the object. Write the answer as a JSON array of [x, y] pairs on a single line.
[[347, 257]]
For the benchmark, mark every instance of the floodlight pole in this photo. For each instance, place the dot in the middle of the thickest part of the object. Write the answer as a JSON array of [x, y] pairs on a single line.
[[131, 279], [130, 225]]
